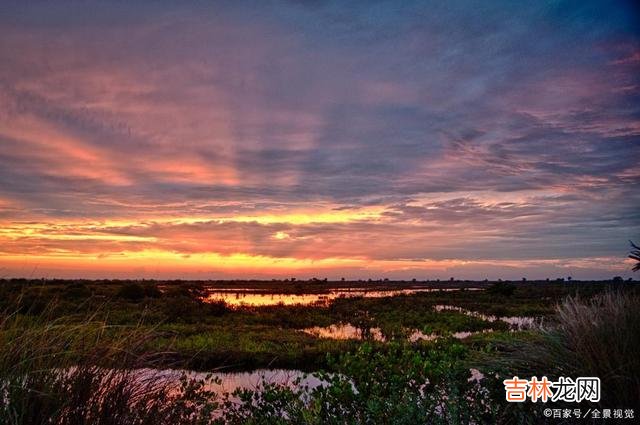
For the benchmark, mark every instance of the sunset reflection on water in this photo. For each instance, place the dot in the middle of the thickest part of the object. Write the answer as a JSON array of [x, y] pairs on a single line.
[[241, 297]]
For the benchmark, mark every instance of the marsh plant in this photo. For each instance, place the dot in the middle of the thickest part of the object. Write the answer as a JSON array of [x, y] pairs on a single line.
[[394, 384], [81, 370], [55, 371], [597, 336]]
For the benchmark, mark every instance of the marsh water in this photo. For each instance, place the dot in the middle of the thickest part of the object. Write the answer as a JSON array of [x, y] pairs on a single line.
[[350, 331], [252, 297], [515, 322], [228, 382], [255, 298]]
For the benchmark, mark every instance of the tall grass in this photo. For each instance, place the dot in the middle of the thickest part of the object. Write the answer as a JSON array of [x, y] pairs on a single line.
[[76, 369], [82, 371], [598, 336], [601, 337]]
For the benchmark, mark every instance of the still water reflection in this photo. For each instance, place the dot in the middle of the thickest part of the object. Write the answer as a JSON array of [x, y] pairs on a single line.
[[227, 382], [349, 331], [515, 322], [243, 297], [345, 331]]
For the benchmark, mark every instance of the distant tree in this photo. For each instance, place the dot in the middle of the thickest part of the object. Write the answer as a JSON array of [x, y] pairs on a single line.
[[635, 255], [617, 279]]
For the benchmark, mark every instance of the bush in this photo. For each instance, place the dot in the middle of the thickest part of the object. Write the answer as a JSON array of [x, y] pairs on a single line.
[[502, 289], [188, 310], [217, 308], [152, 291], [132, 292], [397, 384], [77, 290]]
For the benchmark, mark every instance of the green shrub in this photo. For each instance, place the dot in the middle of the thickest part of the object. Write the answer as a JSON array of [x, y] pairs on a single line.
[[152, 291], [392, 384], [131, 292], [217, 308], [185, 309], [502, 288], [76, 290]]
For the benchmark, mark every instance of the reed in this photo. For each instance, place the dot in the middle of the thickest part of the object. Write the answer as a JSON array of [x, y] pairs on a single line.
[[597, 336], [61, 371]]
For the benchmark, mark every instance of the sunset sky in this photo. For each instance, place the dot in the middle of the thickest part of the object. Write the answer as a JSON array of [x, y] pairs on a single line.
[[267, 139]]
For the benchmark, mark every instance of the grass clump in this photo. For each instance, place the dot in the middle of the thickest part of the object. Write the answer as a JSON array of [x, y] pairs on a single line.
[[601, 337], [53, 371], [597, 336]]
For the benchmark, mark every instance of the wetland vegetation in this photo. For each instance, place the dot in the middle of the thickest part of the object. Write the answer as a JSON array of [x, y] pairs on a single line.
[[363, 349]]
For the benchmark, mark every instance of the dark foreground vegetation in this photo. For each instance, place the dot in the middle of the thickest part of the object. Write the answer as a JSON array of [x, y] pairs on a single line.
[[70, 352]]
